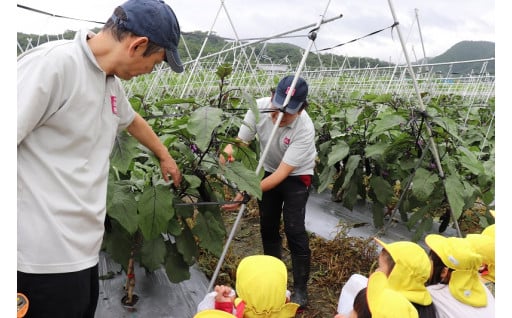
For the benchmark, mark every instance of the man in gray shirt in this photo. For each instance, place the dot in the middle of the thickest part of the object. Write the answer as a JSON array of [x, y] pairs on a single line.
[[71, 106]]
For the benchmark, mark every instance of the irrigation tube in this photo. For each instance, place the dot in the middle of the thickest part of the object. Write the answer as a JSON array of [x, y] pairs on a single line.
[[312, 37], [433, 146]]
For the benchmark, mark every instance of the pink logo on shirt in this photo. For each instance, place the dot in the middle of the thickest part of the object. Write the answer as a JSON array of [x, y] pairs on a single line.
[[113, 104], [286, 140]]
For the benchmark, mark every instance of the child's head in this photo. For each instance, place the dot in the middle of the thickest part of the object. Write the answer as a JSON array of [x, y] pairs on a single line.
[[261, 283], [456, 263], [484, 244], [361, 309], [408, 268]]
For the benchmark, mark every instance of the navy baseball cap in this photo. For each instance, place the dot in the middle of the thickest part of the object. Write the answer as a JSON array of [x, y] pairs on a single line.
[[297, 98], [155, 20]]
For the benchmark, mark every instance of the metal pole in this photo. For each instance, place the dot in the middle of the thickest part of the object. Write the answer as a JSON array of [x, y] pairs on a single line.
[[421, 37], [312, 37], [433, 146]]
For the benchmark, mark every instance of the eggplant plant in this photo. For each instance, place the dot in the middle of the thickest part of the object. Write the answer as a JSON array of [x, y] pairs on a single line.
[[377, 148], [157, 224]]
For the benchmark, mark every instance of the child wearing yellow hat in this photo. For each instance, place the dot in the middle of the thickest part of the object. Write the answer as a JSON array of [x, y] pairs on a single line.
[[484, 244], [261, 282], [454, 284], [379, 300], [385, 302], [408, 268]]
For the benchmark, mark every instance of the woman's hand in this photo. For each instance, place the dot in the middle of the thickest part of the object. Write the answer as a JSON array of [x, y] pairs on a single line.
[[234, 206]]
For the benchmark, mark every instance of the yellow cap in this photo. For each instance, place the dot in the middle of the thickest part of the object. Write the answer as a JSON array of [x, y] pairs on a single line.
[[458, 254], [490, 231], [484, 244], [385, 302], [213, 313], [411, 270], [261, 282]]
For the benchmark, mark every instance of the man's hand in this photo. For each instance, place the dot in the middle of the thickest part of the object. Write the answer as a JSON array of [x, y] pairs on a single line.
[[169, 168], [140, 129]]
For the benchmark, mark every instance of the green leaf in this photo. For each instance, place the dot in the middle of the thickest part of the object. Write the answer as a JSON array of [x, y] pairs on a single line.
[[338, 152], [118, 244], [378, 214], [192, 180], [423, 183], [326, 178], [382, 189], [424, 227], [176, 268], [376, 150], [210, 232], [153, 253], [449, 125], [350, 195], [174, 227], [124, 151], [185, 211], [155, 210], [202, 123], [224, 70], [122, 206], [352, 115], [386, 123], [469, 160], [383, 98], [454, 191], [186, 245], [245, 179], [350, 167], [173, 101], [252, 105], [416, 216]]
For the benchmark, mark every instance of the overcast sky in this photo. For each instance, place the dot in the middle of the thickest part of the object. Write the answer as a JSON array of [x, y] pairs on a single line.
[[439, 23]]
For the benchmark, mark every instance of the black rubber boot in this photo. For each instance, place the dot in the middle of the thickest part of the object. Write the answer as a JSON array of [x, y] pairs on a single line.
[[273, 249], [300, 266]]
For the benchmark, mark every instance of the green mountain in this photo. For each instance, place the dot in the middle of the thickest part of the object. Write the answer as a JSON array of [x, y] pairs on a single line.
[[467, 51], [277, 53], [290, 54]]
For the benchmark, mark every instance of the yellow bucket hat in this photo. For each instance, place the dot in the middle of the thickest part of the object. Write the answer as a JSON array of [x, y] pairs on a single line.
[[458, 254], [484, 244], [411, 270], [490, 231], [261, 282], [213, 313], [385, 302]]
